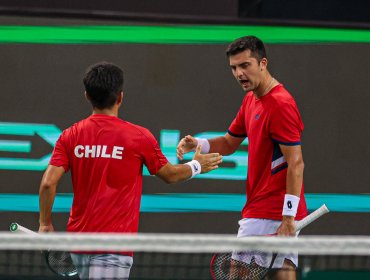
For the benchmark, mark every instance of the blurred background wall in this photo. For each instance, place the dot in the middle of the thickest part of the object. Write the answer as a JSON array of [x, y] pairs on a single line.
[[180, 86]]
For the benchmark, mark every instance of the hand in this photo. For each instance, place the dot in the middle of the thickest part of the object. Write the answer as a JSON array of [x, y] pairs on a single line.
[[46, 228], [186, 144], [207, 161], [287, 227]]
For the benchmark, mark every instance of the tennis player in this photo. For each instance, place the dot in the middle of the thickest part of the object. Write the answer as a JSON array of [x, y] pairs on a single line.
[[269, 117], [105, 155]]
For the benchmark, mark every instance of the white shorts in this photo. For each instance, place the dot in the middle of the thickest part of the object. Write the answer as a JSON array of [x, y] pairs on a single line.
[[104, 266], [255, 227]]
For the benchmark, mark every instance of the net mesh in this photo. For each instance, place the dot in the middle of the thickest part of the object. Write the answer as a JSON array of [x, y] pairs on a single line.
[[179, 256]]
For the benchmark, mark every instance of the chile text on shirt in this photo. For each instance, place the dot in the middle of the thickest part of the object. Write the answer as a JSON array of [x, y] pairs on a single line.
[[96, 151]]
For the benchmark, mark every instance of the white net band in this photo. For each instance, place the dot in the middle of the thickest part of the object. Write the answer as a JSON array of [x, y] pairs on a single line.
[[188, 243]]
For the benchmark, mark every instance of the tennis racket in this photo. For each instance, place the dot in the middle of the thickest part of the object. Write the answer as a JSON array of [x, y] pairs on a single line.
[[59, 262], [224, 267]]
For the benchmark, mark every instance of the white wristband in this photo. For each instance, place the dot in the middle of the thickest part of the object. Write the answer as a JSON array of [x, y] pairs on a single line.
[[195, 166], [205, 145], [290, 205]]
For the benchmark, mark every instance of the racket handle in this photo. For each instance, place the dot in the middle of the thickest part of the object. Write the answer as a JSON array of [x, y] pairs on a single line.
[[312, 217], [17, 228]]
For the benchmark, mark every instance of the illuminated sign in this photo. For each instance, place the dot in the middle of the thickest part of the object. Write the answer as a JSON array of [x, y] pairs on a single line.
[[234, 166], [48, 132]]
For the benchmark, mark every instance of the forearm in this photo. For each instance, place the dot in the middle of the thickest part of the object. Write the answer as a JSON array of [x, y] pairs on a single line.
[[221, 145], [171, 174], [294, 182], [46, 200], [177, 173], [294, 178], [181, 172]]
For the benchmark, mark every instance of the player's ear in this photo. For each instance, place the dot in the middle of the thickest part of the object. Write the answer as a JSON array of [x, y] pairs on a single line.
[[87, 96], [120, 98], [263, 64]]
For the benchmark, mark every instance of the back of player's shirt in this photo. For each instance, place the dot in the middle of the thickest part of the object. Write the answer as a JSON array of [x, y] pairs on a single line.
[[106, 155]]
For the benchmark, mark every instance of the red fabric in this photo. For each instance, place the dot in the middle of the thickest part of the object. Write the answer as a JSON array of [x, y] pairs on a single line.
[[269, 121], [107, 182]]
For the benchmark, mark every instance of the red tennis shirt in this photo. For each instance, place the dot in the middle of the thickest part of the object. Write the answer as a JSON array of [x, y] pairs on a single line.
[[267, 122], [106, 155]]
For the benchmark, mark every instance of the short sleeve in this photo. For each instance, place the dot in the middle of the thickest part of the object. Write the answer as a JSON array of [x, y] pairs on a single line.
[[59, 156], [237, 127], [152, 154], [286, 125]]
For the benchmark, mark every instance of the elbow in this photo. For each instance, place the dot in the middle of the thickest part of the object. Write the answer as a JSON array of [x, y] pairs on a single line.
[[47, 186]]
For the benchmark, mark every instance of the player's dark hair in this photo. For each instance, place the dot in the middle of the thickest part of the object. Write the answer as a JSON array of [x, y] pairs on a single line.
[[251, 43], [103, 84]]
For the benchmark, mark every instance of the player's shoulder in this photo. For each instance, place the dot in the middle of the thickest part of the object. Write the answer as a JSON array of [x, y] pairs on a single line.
[[138, 128], [248, 95], [281, 96], [142, 133], [76, 126], [248, 98]]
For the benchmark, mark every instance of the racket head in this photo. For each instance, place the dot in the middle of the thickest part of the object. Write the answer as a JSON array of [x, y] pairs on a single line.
[[218, 266], [220, 262], [223, 266], [60, 262]]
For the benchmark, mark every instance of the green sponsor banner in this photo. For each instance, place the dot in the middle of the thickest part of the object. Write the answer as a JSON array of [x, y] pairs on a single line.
[[177, 34]]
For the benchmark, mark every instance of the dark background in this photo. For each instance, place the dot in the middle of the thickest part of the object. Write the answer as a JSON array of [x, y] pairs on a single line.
[[190, 88], [312, 12]]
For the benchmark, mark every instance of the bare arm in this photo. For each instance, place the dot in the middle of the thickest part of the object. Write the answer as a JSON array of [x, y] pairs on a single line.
[[294, 180], [47, 194], [181, 172], [224, 145]]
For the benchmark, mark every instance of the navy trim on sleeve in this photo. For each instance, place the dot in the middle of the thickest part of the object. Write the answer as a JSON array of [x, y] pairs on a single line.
[[278, 169], [237, 135], [287, 143]]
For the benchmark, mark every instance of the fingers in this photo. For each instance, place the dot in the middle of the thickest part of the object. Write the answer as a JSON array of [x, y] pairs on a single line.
[[198, 150], [285, 230], [209, 161], [180, 150], [186, 144], [179, 153], [189, 138]]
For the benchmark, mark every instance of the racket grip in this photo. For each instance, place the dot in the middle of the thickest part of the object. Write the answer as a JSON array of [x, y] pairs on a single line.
[[312, 217]]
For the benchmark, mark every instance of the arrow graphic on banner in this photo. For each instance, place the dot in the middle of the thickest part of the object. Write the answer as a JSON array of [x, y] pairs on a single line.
[[235, 167], [48, 132]]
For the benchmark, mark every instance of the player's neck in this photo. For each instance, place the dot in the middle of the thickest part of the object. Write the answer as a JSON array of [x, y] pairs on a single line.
[[109, 112], [265, 86]]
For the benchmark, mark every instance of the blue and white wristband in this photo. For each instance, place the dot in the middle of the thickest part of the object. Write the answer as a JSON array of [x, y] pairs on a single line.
[[290, 205], [195, 166]]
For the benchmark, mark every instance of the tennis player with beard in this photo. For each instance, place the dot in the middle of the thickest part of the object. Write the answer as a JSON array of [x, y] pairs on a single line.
[[105, 155], [269, 117]]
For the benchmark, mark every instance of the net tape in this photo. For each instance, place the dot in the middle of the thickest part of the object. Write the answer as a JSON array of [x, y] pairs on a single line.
[[186, 243]]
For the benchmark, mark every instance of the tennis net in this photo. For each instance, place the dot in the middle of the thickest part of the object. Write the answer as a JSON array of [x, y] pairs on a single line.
[[185, 256]]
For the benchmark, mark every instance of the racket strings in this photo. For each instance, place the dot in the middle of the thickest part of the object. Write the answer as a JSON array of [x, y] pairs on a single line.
[[61, 263], [225, 268]]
